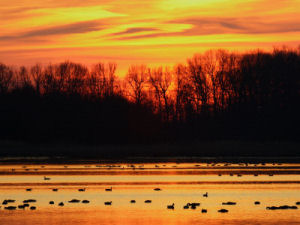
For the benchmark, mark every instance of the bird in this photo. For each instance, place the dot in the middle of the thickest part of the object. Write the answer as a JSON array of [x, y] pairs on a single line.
[[28, 189], [148, 201], [157, 189], [61, 204], [108, 203], [51, 202], [33, 208], [81, 189], [223, 211], [108, 189], [171, 206], [47, 178], [204, 210], [205, 195], [54, 189], [132, 201], [74, 201], [85, 201]]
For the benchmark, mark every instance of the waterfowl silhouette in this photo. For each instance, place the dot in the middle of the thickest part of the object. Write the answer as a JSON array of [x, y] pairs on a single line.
[[256, 202], [10, 207], [61, 204], [51, 202], [229, 203], [54, 189], [171, 206], [204, 210], [74, 201], [47, 178], [132, 201], [205, 195], [108, 203], [186, 206], [108, 189], [85, 201], [157, 189], [28, 189], [148, 201], [81, 189], [223, 211], [32, 208], [21, 206]]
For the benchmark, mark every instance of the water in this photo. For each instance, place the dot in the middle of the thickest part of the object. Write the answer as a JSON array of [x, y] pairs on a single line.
[[270, 184]]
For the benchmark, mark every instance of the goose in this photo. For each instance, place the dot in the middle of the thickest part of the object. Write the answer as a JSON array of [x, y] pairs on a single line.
[[47, 178], [61, 204], [29, 200], [21, 206], [74, 201], [51, 202], [157, 189], [132, 201], [257, 203], [229, 203], [81, 189], [108, 203], [85, 201], [205, 195], [186, 206], [223, 211], [54, 189], [171, 206], [10, 207], [28, 189], [204, 210], [148, 201], [108, 189], [32, 208]]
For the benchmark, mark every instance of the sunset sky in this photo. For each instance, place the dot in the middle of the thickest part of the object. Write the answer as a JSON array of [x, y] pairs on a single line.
[[152, 32]]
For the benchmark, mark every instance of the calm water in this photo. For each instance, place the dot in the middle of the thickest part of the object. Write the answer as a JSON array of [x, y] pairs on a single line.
[[270, 184]]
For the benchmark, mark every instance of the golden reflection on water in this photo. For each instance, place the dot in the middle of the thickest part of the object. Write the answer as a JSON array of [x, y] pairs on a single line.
[[177, 189]]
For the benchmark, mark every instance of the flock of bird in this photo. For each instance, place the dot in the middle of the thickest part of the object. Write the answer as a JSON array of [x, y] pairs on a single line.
[[193, 205]]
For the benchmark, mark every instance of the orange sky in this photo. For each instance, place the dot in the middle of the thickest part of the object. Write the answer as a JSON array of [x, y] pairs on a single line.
[[152, 32]]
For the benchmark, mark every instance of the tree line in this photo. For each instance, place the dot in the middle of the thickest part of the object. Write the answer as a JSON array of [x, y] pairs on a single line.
[[214, 95]]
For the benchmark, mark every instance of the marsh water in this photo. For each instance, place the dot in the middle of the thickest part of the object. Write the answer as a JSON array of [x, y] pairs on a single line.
[[162, 183]]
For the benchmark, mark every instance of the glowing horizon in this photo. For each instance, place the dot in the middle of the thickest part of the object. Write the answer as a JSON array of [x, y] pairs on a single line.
[[152, 32]]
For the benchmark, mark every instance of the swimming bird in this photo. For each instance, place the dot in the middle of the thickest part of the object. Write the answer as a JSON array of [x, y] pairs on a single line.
[[85, 201], [229, 203], [28, 189], [47, 178], [205, 195], [204, 210], [51, 202], [171, 206], [223, 211], [108, 189], [74, 201], [54, 189], [10, 207], [186, 206], [33, 208], [81, 189], [148, 201], [132, 201], [157, 189], [257, 203], [61, 204], [108, 203]]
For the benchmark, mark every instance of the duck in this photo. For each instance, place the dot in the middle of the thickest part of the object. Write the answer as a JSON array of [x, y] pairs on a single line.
[[157, 189], [108, 203], [186, 206], [205, 195], [148, 201], [132, 201], [223, 211], [32, 208], [47, 178], [256, 203], [229, 203], [85, 201], [81, 189], [51, 202], [171, 206], [28, 189], [74, 201], [108, 189], [61, 204], [204, 211], [54, 189]]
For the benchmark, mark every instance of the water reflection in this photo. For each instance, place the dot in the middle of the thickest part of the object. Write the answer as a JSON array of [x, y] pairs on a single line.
[[180, 189]]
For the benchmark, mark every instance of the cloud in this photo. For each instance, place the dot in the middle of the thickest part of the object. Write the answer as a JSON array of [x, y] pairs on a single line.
[[74, 28], [135, 30]]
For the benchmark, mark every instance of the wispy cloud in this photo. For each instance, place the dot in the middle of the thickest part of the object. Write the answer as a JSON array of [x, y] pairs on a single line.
[[81, 27]]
